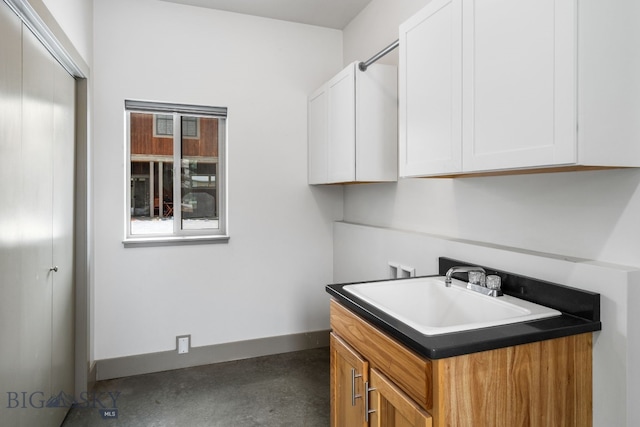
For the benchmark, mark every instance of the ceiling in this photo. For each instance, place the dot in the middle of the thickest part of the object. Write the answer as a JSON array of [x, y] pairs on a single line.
[[325, 13]]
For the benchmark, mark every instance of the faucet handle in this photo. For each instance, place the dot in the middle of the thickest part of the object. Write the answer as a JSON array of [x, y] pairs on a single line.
[[477, 278], [494, 282]]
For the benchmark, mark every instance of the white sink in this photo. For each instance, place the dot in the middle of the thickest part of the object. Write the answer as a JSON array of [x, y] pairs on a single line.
[[428, 306]]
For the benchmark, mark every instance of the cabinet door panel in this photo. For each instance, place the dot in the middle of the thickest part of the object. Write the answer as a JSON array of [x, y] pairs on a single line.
[[342, 127], [317, 136], [519, 84], [391, 407], [349, 372], [377, 123], [430, 90]]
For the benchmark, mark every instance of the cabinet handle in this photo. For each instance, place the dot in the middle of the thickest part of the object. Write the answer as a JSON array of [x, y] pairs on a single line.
[[366, 401], [54, 269], [354, 396]]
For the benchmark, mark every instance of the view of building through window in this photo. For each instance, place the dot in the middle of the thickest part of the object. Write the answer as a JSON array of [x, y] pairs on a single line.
[[173, 193]]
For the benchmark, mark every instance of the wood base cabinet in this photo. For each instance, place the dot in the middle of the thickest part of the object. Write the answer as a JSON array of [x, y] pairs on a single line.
[[360, 397], [376, 381]]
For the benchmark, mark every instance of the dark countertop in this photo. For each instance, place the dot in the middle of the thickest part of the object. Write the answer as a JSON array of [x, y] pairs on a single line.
[[458, 343]]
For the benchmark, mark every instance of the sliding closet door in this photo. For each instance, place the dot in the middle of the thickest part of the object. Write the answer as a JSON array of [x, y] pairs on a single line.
[[10, 191], [47, 243], [62, 333], [37, 144], [36, 215]]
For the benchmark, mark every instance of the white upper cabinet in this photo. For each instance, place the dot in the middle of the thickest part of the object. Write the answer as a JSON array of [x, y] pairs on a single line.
[[352, 128], [430, 87], [495, 85], [519, 80]]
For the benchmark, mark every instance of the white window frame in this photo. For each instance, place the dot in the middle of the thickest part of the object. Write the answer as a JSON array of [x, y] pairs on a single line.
[[179, 235]]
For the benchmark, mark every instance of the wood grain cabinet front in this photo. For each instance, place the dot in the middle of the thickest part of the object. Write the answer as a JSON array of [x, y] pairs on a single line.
[[388, 406], [376, 381], [349, 374], [364, 397]]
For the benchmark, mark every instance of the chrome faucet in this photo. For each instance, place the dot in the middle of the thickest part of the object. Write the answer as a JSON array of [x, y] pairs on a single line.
[[460, 269]]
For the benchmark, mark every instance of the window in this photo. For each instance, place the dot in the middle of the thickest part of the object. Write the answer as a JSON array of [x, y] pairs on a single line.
[[175, 173], [163, 126], [190, 127]]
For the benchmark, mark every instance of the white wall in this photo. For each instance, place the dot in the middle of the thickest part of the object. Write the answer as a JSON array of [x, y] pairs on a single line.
[[269, 279], [377, 27], [587, 214], [76, 19]]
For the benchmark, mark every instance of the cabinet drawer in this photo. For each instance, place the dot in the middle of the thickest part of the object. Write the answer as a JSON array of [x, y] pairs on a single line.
[[412, 373]]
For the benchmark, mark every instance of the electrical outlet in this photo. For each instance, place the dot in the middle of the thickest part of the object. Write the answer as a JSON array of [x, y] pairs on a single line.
[[183, 343], [407, 271], [393, 270]]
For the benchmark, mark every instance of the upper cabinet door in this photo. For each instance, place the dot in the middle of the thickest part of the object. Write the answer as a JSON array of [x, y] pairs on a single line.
[[317, 136], [519, 90], [377, 123], [430, 82], [342, 126]]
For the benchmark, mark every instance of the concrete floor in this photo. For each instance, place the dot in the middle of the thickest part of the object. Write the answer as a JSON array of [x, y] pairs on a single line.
[[290, 389]]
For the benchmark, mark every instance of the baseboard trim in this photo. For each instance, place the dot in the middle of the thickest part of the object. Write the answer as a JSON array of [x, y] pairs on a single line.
[[169, 360]]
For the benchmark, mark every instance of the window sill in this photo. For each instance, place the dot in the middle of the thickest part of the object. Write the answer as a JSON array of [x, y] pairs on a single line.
[[137, 242]]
